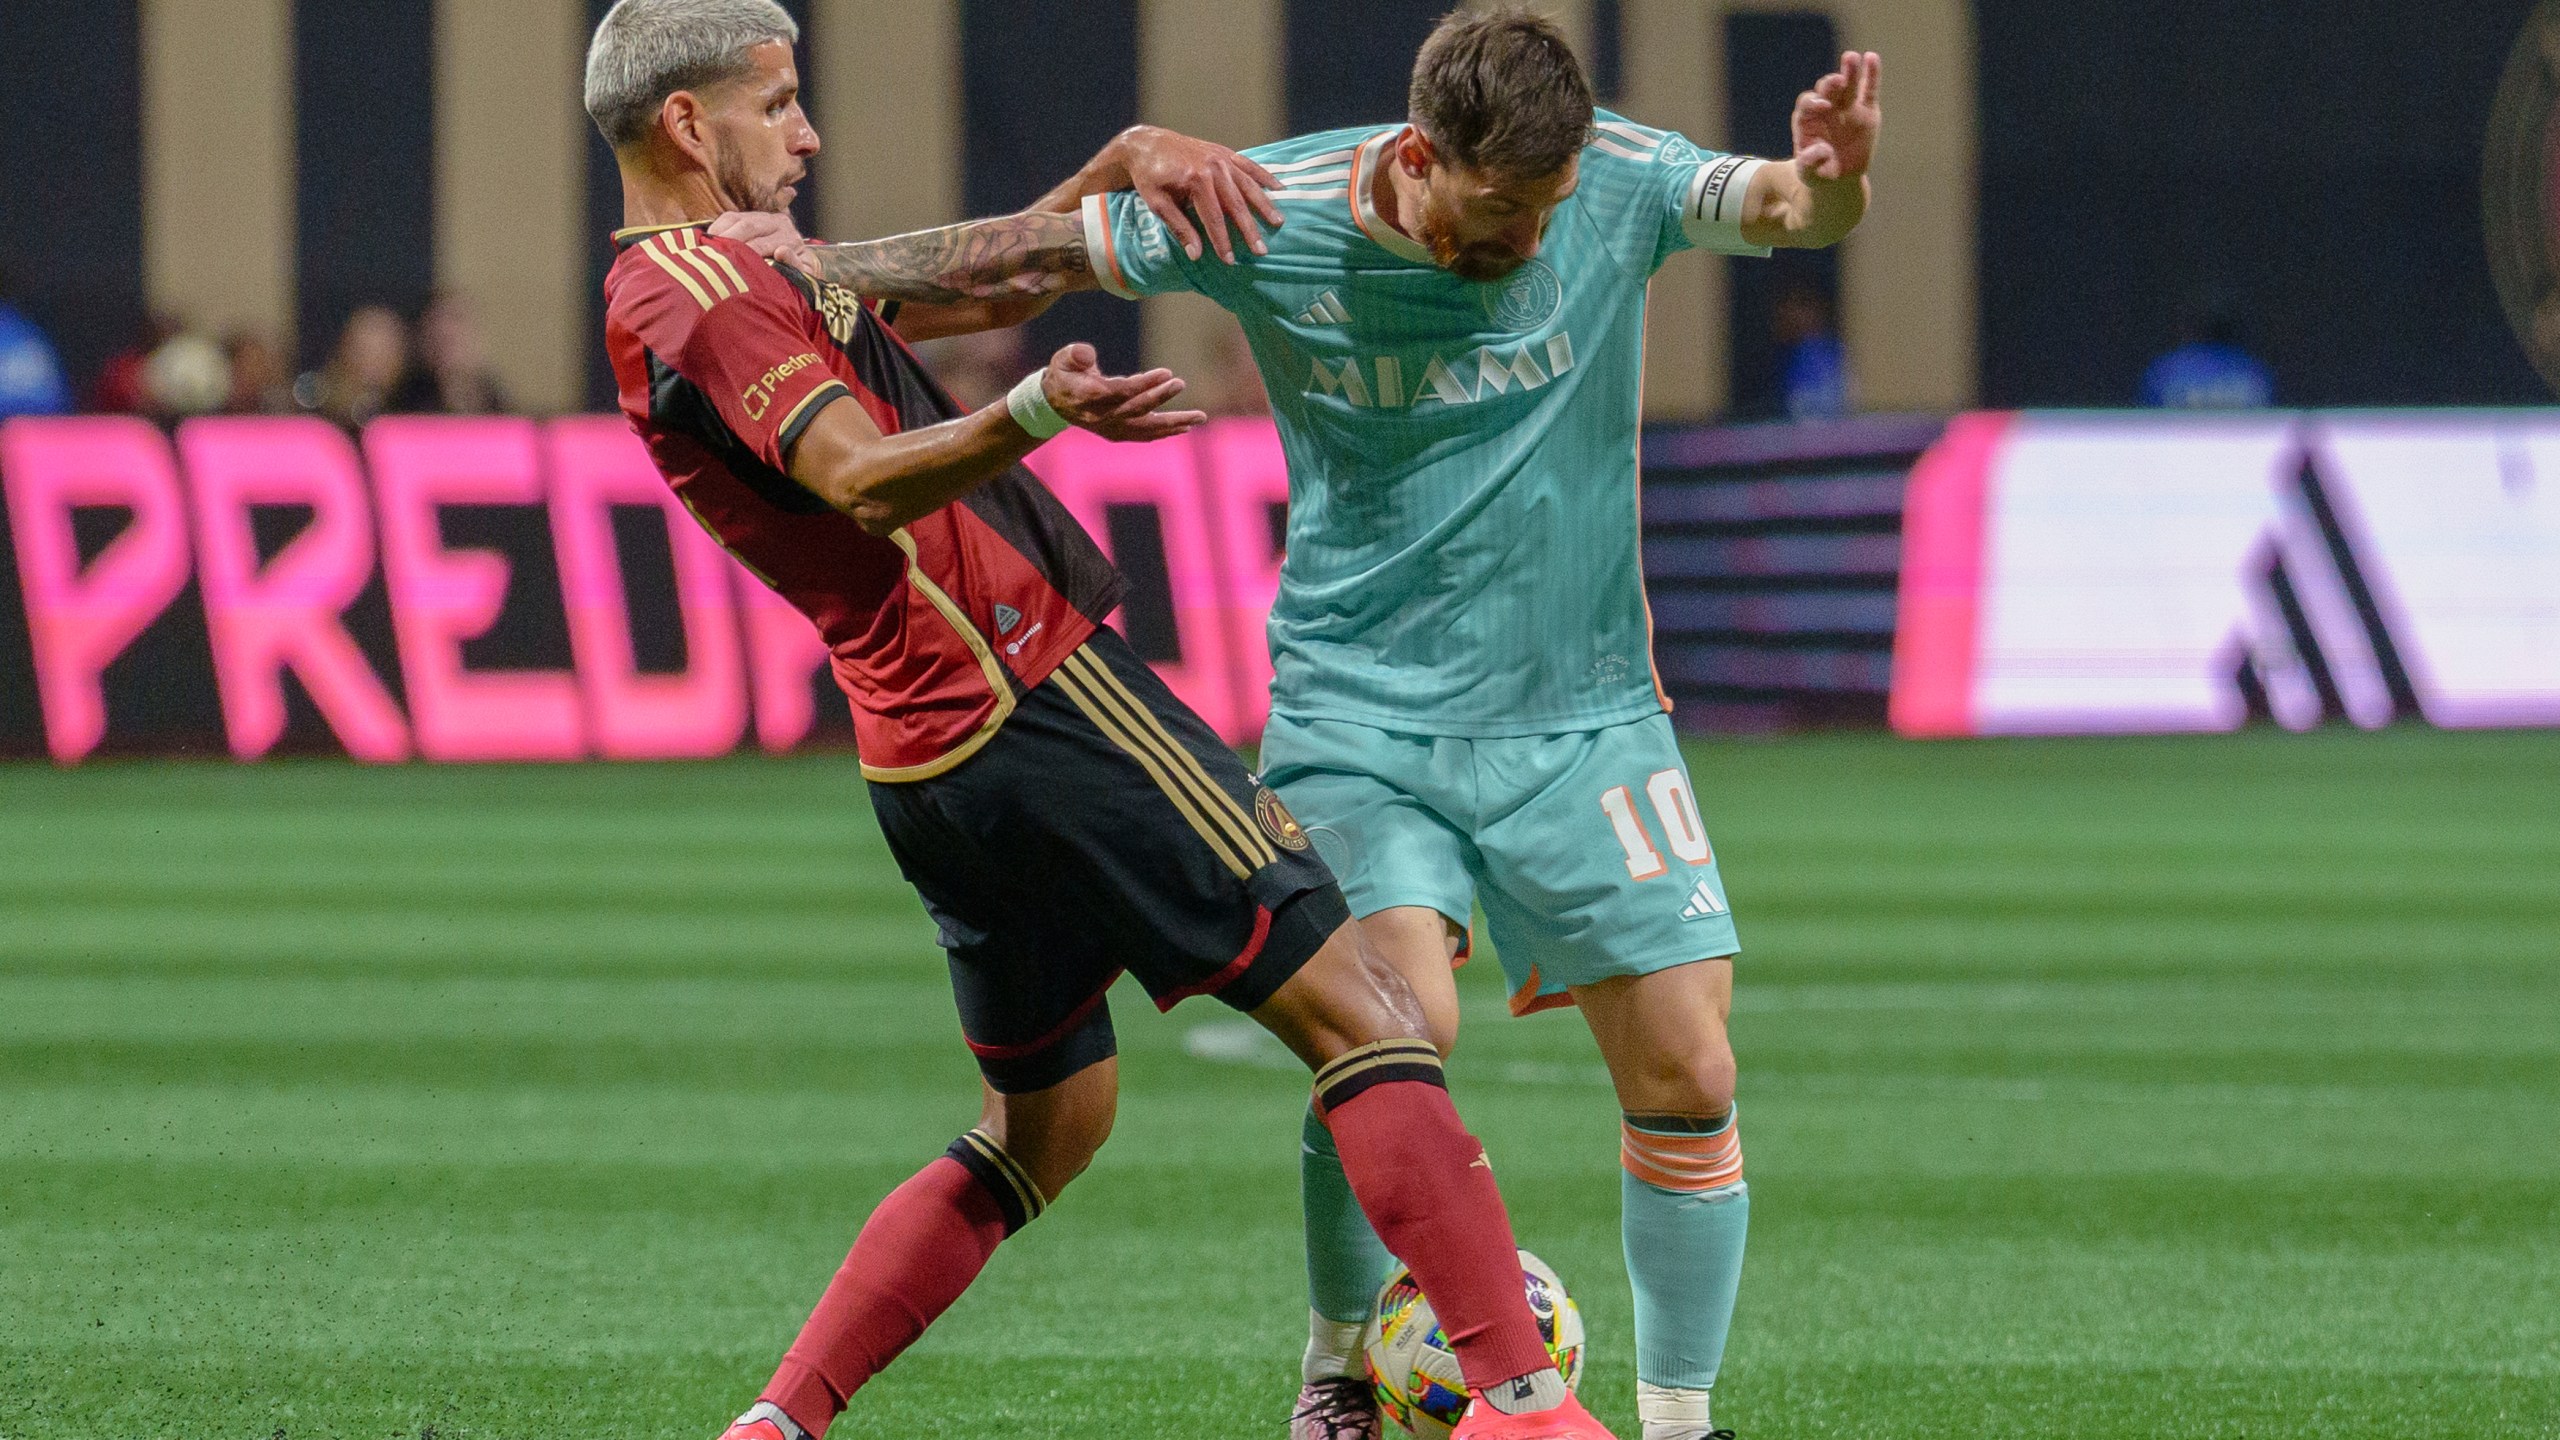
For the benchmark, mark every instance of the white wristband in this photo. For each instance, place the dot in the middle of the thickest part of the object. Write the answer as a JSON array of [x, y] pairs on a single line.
[[1029, 402]]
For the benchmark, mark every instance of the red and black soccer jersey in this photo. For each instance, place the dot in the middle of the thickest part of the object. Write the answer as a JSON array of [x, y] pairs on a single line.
[[936, 631]]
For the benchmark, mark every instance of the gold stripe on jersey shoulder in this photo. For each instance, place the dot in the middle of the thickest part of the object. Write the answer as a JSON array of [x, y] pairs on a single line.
[[634, 232], [693, 260], [720, 257], [649, 247]]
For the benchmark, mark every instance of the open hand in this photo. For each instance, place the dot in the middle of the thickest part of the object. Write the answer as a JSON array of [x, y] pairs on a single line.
[[1174, 173], [1837, 121], [771, 235], [1115, 407]]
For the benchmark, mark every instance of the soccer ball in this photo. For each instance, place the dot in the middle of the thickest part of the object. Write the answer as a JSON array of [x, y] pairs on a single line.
[[1415, 1371]]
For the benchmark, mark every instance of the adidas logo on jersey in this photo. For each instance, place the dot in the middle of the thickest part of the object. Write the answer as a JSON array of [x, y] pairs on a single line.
[[1702, 903], [1327, 310]]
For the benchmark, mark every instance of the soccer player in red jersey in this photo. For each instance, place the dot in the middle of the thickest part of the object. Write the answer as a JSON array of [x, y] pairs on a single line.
[[1062, 815]]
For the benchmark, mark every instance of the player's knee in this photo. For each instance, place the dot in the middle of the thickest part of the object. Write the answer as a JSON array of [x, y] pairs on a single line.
[[1680, 1132], [1439, 1012], [1441, 1026], [1054, 1134], [1692, 1080], [1345, 997], [1380, 1004], [1058, 1154]]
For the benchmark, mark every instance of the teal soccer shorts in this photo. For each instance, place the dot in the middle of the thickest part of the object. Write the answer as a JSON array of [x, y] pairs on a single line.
[[1586, 848]]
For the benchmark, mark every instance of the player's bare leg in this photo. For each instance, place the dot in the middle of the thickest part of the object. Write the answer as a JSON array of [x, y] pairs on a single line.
[[1423, 1181], [1346, 1262], [928, 1240], [1687, 1209], [1422, 945], [1054, 1133]]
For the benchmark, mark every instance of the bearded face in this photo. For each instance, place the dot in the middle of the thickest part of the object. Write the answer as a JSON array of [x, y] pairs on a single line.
[[1478, 260], [760, 140], [771, 191], [1482, 226]]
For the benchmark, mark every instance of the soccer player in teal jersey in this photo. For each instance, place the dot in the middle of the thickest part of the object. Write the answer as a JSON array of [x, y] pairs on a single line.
[[1450, 324]]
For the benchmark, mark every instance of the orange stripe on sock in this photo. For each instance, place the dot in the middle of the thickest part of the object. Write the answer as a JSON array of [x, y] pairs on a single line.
[[1688, 1163]]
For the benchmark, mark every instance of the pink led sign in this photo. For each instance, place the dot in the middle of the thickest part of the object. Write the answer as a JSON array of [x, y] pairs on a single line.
[[385, 509], [81, 617], [441, 598], [597, 463], [288, 614]]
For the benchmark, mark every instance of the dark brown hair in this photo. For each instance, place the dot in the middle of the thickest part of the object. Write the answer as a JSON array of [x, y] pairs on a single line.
[[1500, 90]]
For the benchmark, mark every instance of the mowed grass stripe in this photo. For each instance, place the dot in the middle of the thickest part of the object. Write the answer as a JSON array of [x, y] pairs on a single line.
[[2188, 1087]]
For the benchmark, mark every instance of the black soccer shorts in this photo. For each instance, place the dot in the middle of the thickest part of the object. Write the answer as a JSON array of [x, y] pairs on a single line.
[[1104, 828]]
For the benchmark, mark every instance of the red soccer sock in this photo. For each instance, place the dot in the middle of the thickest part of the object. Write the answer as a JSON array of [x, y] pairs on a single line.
[[914, 1257], [1426, 1186]]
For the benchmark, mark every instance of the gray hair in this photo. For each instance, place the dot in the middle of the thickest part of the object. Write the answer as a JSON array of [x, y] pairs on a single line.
[[647, 50]]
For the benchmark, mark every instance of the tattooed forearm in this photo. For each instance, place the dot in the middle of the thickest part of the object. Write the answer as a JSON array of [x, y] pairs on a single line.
[[1012, 257]]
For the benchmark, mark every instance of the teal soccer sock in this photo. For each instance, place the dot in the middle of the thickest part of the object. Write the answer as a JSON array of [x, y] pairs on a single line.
[[1686, 1213], [1346, 1261]]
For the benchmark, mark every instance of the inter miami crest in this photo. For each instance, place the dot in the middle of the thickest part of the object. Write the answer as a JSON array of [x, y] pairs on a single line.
[[1526, 299], [2520, 190]]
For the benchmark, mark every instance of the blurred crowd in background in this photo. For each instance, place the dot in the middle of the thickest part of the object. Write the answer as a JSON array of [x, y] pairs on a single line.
[[426, 361], [429, 361]]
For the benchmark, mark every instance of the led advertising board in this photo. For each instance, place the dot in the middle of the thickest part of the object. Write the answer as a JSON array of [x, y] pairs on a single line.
[[2071, 573]]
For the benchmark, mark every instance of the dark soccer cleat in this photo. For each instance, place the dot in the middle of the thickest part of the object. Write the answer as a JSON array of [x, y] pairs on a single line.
[[1342, 1408]]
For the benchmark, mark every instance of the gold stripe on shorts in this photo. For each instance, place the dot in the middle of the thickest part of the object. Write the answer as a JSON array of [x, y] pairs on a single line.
[[1239, 826], [1173, 790]]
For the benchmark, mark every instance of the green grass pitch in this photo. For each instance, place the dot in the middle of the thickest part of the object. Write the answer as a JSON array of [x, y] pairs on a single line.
[[2102, 1088]]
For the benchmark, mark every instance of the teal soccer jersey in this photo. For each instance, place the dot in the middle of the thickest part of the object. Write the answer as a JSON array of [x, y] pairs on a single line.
[[1462, 541]]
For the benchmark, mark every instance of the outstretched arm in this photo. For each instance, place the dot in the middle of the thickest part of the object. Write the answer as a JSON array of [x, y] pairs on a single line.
[[1036, 254], [986, 274], [1817, 198], [887, 481]]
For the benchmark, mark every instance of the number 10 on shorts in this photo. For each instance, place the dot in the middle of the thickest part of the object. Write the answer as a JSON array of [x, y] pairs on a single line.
[[1678, 811]]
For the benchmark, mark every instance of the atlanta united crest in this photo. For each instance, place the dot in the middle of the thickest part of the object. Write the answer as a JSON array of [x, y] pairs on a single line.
[[1277, 822]]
